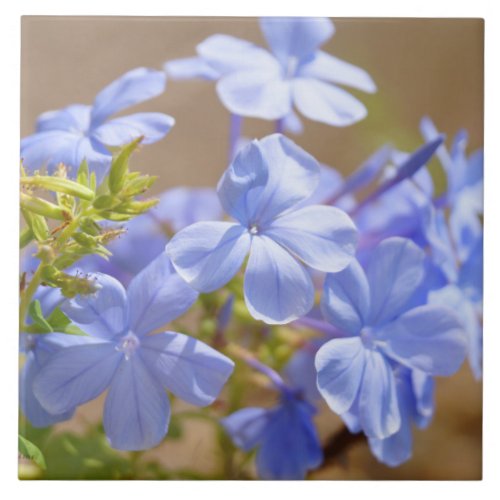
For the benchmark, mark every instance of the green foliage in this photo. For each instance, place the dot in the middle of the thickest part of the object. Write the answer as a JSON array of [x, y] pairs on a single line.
[[29, 450]]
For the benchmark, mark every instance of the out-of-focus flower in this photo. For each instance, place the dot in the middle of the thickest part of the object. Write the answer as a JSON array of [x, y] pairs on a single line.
[[120, 352], [356, 374], [80, 132], [295, 72], [287, 443], [261, 190]]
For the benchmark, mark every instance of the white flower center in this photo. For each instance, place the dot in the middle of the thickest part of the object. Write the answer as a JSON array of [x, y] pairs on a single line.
[[128, 344]]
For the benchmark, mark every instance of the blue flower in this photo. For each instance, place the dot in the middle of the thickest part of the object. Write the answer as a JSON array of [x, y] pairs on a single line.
[[80, 132], [255, 82], [356, 374], [121, 354], [285, 436], [147, 235], [261, 190]]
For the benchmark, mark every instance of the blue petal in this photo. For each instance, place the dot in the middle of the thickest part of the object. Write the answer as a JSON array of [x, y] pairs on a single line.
[[340, 365], [423, 390], [133, 87], [157, 295], [378, 402], [278, 289], [397, 449], [30, 406], [75, 375], [189, 68], [296, 37], [301, 373], [470, 278], [267, 178], [326, 103], [394, 273], [227, 54], [346, 299], [48, 149], [256, 93], [208, 254], [428, 338], [187, 367], [120, 131], [137, 410], [73, 118], [291, 445], [102, 314], [324, 66], [247, 426], [292, 123], [453, 297], [429, 133], [323, 237]]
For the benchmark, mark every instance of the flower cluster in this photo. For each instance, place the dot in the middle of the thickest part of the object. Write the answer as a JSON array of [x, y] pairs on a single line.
[[359, 300]]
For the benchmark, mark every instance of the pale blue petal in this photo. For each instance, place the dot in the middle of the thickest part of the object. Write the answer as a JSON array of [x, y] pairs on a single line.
[[300, 373], [227, 54], [267, 178], [395, 271], [135, 86], [397, 448], [325, 238], [137, 410], [278, 289], [187, 367], [102, 314], [326, 103], [189, 68], [326, 67], [208, 254], [475, 168], [256, 93], [346, 299], [295, 37], [378, 402], [470, 278], [48, 149], [423, 390], [454, 298], [292, 123], [73, 118], [75, 375], [291, 444], [120, 131], [247, 426], [428, 338], [340, 364], [29, 404], [157, 295]]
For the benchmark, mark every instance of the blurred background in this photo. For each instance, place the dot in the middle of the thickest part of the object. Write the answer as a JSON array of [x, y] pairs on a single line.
[[421, 66]]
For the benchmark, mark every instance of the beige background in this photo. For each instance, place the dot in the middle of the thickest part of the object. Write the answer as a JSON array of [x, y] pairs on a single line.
[[420, 66]]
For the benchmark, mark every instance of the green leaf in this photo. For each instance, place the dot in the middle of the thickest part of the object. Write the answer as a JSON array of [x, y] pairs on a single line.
[[119, 167], [37, 224], [59, 185], [26, 237], [82, 177], [29, 450], [43, 207], [61, 323], [36, 314]]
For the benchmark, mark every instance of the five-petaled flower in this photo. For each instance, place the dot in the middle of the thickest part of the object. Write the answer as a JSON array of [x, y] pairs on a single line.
[[122, 353], [262, 189], [356, 375], [80, 132], [255, 82]]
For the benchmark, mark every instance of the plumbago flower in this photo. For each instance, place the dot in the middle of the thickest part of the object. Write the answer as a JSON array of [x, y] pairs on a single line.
[[356, 375], [122, 353], [285, 436], [261, 190], [147, 235], [79, 131], [257, 83]]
